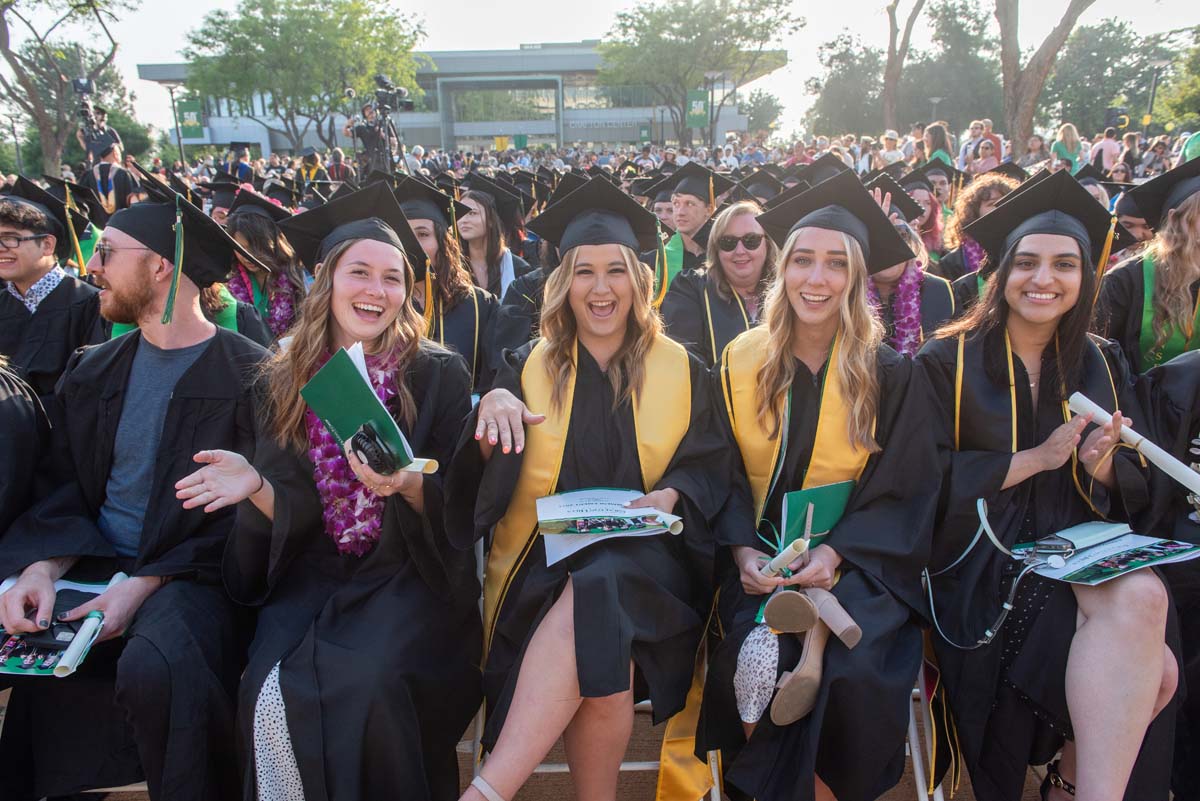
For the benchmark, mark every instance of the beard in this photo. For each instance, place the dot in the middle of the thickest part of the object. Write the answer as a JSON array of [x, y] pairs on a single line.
[[127, 306]]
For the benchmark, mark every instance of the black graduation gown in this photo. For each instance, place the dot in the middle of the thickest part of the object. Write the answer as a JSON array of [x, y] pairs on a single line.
[[1170, 398], [38, 345], [688, 321], [863, 705], [1008, 698], [122, 183], [691, 262], [1119, 310], [966, 292], [378, 654], [951, 266], [647, 598], [520, 268], [188, 628], [24, 437], [518, 317], [467, 329], [249, 322]]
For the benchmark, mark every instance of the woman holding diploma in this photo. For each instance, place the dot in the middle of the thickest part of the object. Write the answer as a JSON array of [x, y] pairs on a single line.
[[1085, 669], [817, 401], [362, 674], [603, 399]]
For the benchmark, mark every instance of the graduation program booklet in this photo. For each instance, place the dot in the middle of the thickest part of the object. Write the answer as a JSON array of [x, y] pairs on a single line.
[[59, 650], [571, 521], [342, 396], [1107, 550], [828, 503]]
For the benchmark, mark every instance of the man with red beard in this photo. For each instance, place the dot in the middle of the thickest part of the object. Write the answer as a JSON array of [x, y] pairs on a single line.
[[127, 416]]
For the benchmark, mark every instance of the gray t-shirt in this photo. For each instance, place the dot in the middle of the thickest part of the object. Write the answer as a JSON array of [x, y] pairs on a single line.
[[152, 380]]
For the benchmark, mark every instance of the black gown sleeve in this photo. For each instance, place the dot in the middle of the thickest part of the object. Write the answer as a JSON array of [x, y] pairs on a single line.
[[24, 436], [487, 361], [951, 266], [251, 325], [1169, 395], [683, 314], [1119, 310]]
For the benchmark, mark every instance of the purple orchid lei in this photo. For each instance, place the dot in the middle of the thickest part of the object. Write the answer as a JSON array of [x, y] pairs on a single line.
[[353, 514], [972, 254], [281, 309], [906, 309]]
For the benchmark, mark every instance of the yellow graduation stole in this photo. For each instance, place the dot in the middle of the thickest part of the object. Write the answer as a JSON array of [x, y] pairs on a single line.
[[834, 457], [660, 416]]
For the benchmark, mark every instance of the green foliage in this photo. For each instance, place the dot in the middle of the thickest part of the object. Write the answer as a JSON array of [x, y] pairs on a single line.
[[763, 109], [302, 54], [1107, 64], [134, 136], [670, 46], [848, 90], [1178, 100]]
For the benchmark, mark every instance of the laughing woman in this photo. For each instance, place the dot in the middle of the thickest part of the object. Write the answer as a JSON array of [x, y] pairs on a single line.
[[824, 413], [603, 399], [1080, 668], [705, 309], [363, 672]]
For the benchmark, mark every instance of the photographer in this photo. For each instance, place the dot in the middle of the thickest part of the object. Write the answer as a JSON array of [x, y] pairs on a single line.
[[97, 137], [376, 152]]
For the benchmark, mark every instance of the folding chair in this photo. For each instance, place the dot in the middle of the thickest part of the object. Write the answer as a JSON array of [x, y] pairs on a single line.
[[915, 751]]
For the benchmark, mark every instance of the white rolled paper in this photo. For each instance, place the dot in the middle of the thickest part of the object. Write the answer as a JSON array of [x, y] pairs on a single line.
[[426, 466], [1083, 405], [788, 555], [88, 632]]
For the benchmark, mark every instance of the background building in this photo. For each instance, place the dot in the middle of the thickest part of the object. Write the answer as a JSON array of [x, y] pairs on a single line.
[[539, 94]]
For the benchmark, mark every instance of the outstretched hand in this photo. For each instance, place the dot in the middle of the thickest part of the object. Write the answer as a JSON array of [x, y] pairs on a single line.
[[502, 418], [226, 478]]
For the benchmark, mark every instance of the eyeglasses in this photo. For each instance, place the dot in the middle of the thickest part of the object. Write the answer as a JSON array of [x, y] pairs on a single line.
[[12, 241], [729, 244], [104, 250]]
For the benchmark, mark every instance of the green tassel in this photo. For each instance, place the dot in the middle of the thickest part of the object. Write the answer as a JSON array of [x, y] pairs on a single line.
[[169, 308]]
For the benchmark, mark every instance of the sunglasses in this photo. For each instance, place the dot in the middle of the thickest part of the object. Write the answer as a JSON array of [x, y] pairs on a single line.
[[729, 243]]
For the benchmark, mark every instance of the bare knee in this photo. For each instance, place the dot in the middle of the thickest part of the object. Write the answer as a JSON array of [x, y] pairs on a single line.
[[609, 706], [1169, 682], [1138, 601]]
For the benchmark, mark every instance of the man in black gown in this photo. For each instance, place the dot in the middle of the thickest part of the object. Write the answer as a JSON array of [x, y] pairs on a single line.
[[45, 313], [128, 415]]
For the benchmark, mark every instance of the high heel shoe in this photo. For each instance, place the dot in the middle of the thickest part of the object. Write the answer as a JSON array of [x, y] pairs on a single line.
[[790, 612], [797, 688]]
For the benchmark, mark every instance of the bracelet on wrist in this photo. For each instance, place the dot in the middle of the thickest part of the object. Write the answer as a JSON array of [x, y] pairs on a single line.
[[262, 482]]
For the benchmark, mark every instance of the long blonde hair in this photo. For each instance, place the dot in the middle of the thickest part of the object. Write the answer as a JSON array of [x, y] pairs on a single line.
[[1069, 137], [1176, 253], [312, 339], [716, 272], [860, 335], [559, 330]]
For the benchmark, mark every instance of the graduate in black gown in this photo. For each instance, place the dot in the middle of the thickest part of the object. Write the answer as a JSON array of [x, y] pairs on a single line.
[[24, 437], [792, 390], [1150, 304], [910, 302], [964, 256], [128, 414], [115, 185], [363, 673], [276, 296], [45, 313], [1084, 669], [458, 315], [603, 399], [694, 191], [485, 229], [704, 310], [1170, 397]]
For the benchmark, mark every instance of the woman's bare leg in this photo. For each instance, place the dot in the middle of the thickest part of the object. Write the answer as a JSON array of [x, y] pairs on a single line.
[[823, 793], [595, 742]]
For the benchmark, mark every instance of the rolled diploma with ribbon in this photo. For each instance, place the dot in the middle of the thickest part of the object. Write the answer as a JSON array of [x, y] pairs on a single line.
[[1082, 405], [789, 554], [88, 632]]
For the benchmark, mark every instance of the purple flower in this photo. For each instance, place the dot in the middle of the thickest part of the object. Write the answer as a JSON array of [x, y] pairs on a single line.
[[906, 309]]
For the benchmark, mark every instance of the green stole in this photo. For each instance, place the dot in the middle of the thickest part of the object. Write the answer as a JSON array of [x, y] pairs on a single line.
[[226, 318], [1179, 341], [674, 253]]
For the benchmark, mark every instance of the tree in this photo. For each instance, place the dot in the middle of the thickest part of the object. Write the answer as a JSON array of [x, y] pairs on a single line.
[[1023, 84], [1087, 79], [763, 110], [299, 57], [848, 91], [41, 68], [135, 138], [1180, 96], [670, 46], [897, 52]]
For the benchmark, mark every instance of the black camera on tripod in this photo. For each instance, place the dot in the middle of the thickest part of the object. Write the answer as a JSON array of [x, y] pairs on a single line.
[[389, 97], [87, 113]]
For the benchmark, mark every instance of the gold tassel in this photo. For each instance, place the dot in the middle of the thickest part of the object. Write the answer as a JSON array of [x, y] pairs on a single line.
[[712, 199], [1102, 264], [661, 258], [70, 204], [428, 310]]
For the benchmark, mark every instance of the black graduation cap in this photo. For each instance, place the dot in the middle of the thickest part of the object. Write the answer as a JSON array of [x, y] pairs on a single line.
[[84, 198], [369, 213], [1055, 204], [548, 175], [238, 147], [1160, 195], [598, 213], [345, 190], [668, 167], [153, 186], [248, 202], [792, 191], [843, 204], [596, 171], [285, 190], [762, 185], [308, 151], [505, 178], [421, 202], [180, 232], [936, 167], [902, 202], [628, 169], [773, 169], [178, 186], [378, 176], [446, 182], [824, 168], [27, 193], [693, 179], [640, 187], [222, 188], [566, 185], [508, 205], [1087, 174], [1010, 170]]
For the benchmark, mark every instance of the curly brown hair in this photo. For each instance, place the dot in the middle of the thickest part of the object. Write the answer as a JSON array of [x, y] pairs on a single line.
[[970, 199]]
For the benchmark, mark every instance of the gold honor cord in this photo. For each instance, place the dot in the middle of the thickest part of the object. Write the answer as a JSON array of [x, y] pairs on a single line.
[[427, 312], [169, 308], [70, 204], [1102, 264]]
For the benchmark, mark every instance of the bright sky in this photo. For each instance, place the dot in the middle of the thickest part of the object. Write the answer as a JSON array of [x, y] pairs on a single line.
[[156, 33]]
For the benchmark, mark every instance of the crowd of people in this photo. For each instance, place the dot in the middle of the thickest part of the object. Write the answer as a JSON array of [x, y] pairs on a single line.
[[882, 335]]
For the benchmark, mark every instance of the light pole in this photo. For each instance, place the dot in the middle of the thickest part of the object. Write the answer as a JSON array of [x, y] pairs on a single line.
[[934, 101], [1158, 65], [711, 78], [12, 120], [171, 87]]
